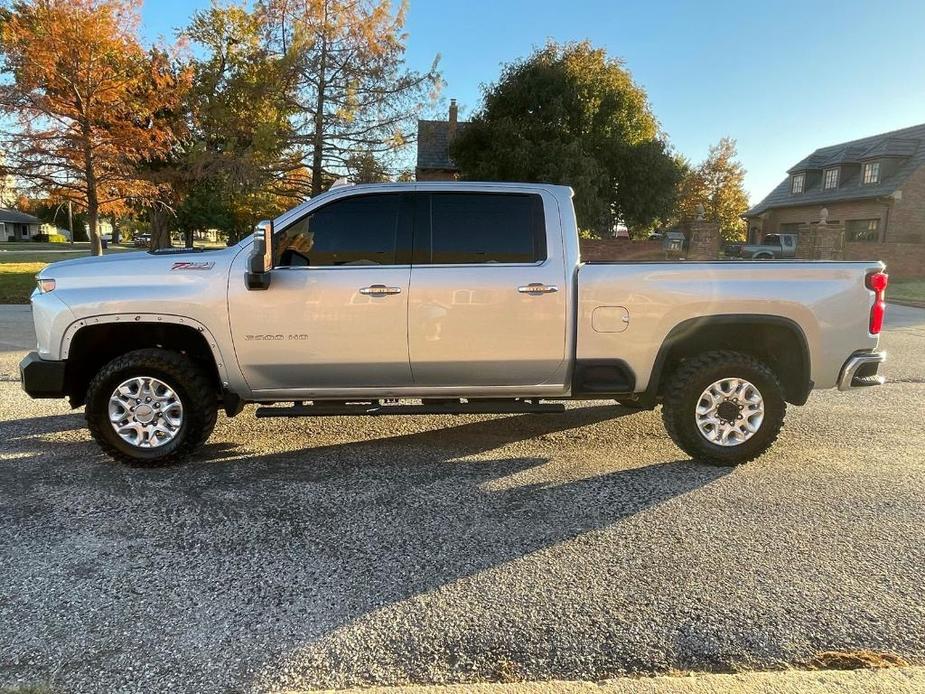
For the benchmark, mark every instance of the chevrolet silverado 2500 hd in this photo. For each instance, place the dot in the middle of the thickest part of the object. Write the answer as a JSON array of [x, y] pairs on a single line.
[[443, 298]]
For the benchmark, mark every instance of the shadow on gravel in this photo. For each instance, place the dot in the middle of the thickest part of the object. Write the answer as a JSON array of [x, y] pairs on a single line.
[[315, 539], [17, 429]]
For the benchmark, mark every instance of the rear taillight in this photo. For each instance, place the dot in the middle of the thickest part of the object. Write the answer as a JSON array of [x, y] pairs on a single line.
[[877, 282]]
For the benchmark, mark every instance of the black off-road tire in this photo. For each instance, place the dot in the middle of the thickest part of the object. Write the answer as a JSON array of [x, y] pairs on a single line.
[[179, 372], [683, 392]]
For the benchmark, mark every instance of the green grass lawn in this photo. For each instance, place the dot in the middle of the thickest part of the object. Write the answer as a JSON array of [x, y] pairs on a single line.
[[17, 270], [38, 257], [908, 290], [30, 255], [17, 280], [42, 246]]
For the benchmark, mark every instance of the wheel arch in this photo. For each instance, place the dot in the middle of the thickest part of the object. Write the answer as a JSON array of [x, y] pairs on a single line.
[[776, 340], [90, 343]]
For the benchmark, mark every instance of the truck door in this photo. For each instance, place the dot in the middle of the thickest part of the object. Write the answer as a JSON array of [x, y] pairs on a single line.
[[335, 314], [488, 297], [788, 245]]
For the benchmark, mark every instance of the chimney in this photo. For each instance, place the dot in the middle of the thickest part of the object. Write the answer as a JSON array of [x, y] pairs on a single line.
[[451, 126]]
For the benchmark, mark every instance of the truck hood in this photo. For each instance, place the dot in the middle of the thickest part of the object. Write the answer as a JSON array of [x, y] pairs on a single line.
[[173, 282], [134, 261]]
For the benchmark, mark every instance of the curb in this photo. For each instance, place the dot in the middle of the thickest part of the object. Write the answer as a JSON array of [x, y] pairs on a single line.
[[907, 680]]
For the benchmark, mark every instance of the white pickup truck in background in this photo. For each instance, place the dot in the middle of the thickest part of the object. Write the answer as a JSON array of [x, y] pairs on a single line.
[[443, 297]]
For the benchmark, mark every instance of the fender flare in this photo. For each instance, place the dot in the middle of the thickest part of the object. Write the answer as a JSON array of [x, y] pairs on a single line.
[[693, 324], [70, 333]]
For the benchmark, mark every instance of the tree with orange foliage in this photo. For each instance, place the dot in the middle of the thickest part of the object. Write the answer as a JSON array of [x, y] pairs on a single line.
[[86, 103]]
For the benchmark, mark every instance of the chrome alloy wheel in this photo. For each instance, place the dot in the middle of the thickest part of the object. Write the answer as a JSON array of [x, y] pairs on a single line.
[[145, 412], [729, 412]]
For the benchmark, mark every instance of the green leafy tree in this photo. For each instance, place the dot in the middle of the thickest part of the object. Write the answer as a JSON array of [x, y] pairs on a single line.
[[717, 183], [241, 161], [570, 114], [206, 205]]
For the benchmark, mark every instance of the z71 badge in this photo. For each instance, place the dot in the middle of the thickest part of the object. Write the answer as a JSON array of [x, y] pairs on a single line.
[[193, 266]]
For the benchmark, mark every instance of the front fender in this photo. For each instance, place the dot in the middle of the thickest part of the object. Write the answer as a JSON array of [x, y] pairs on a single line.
[[69, 334]]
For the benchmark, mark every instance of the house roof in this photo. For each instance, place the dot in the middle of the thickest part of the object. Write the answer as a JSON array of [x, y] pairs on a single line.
[[434, 144], [17, 217], [906, 145]]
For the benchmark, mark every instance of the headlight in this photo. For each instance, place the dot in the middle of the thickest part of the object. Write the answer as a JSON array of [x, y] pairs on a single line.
[[44, 285]]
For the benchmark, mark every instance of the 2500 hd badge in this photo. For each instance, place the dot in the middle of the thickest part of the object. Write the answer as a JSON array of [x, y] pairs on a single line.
[[274, 338]]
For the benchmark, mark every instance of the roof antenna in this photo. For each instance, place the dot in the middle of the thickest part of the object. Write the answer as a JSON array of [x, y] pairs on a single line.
[[341, 182]]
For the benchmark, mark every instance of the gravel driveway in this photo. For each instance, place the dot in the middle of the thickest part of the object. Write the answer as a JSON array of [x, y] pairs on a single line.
[[311, 553]]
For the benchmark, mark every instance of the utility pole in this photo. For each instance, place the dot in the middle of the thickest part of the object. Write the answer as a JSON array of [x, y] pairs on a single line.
[[70, 220]]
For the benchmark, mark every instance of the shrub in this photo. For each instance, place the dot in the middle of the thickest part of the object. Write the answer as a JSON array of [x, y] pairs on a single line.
[[50, 238]]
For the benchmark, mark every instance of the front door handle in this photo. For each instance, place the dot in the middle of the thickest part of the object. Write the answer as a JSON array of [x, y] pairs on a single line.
[[538, 288], [379, 290]]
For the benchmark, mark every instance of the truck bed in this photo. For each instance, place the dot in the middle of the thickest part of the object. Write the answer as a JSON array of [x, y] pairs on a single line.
[[826, 299]]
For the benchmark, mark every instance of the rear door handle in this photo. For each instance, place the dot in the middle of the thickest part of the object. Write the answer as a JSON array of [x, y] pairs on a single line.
[[379, 290], [538, 288]]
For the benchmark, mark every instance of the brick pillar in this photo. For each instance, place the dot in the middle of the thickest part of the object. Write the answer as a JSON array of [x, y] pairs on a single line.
[[830, 241], [806, 241], [821, 242], [703, 240]]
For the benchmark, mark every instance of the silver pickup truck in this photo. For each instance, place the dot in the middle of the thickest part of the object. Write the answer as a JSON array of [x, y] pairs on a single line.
[[772, 246], [443, 298]]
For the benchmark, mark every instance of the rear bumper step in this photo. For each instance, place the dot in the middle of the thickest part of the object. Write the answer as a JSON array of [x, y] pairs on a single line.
[[862, 371], [377, 410]]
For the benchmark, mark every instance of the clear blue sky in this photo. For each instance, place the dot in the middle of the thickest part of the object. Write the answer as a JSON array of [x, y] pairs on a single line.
[[781, 77]]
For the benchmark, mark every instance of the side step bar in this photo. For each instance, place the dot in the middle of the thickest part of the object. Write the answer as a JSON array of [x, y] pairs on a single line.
[[377, 409]]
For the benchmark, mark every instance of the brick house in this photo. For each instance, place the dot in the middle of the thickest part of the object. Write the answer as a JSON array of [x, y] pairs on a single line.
[[434, 137], [875, 186]]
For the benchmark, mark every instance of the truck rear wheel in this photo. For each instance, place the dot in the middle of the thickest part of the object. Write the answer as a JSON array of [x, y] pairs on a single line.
[[723, 408], [150, 407]]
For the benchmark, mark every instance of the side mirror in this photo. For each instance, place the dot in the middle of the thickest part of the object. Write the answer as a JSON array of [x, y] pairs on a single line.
[[261, 260]]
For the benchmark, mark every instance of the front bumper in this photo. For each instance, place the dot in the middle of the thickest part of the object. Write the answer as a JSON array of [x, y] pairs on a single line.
[[861, 371], [42, 378]]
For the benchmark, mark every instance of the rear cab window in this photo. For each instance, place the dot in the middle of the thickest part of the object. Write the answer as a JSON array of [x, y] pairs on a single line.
[[479, 228]]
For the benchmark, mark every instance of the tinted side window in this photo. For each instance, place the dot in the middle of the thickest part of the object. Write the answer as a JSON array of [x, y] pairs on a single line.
[[361, 230], [487, 228]]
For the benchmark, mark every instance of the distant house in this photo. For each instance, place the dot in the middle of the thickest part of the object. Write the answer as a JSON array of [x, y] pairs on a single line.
[[875, 186], [103, 228], [18, 226], [434, 138]]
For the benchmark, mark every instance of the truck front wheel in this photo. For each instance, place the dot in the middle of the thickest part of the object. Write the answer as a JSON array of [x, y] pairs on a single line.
[[723, 408], [151, 407]]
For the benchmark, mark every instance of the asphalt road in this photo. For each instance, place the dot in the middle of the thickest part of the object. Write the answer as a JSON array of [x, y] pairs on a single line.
[[308, 553]]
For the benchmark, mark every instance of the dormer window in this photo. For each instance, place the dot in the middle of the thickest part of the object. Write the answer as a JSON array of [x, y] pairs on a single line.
[[796, 184], [831, 179], [872, 172]]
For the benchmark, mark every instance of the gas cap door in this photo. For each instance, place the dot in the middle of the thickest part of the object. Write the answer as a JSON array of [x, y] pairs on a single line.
[[610, 319]]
